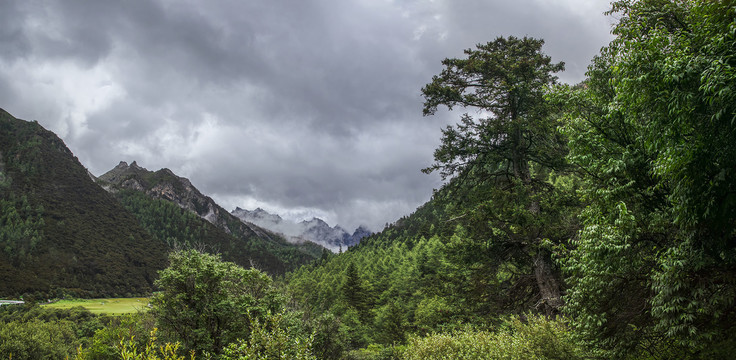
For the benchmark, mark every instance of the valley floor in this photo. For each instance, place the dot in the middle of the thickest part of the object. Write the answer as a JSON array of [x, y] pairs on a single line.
[[109, 306]]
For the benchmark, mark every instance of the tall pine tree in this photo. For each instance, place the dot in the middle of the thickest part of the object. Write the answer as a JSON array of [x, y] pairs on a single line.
[[503, 162]]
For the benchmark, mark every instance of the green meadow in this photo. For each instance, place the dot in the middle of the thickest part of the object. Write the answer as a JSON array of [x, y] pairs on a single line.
[[113, 306]]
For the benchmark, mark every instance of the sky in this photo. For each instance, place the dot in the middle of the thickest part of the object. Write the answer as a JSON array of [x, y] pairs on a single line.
[[301, 107]]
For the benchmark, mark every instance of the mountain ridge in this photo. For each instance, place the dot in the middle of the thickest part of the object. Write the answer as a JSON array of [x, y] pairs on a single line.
[[315, 230], [165, 185]]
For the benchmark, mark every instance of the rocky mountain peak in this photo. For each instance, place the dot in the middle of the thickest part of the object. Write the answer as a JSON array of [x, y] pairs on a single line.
[[315, 229], [163, 184], [315, 221]]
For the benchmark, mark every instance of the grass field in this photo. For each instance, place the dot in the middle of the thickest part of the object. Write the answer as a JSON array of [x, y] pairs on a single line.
[[117, 306]]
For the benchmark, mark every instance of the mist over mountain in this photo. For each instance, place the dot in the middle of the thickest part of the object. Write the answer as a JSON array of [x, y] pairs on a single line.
[[315, 230], [242, 242]]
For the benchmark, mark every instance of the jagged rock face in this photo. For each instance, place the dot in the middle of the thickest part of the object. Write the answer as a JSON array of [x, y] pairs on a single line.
[[257, 215], [122, 172], [357, 235], [314, 230], [164, 184]]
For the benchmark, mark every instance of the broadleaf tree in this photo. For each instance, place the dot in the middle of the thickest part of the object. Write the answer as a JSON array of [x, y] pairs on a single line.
[[653, 132], [207, 303]]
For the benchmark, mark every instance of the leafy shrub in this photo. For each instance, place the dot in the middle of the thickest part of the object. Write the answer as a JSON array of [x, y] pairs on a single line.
[[129, 350], [206, 303], [376, 352], [535, 338], [36, 339], [131, 329], [271, 339]]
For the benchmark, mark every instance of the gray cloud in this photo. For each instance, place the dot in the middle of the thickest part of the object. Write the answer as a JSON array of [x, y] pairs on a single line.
[[300, 107]]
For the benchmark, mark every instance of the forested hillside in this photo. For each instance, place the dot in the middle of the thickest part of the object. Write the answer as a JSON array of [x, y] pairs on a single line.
[[63, 235], [59, 232], [182, 229]]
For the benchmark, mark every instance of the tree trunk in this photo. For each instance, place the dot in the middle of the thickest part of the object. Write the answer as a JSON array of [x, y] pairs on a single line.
[[549, 287]]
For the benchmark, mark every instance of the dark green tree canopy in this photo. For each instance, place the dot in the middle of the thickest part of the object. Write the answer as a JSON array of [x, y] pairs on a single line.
[[207, 303], [504, 81], [502, 160]]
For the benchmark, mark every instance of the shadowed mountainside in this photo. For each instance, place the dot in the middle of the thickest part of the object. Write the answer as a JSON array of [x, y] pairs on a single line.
[[59, 231]]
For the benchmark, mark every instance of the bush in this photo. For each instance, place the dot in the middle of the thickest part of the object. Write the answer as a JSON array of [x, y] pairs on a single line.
[[131, 329], [37, 339], [535, 338], [376, 352], [271, 339], [206, 303]]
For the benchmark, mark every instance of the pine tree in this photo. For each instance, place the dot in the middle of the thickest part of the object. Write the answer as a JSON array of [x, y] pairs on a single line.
[[355, 294], [503, 162]]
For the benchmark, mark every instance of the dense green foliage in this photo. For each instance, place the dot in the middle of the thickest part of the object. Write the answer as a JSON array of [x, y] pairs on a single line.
[[32, 332], [60, 232], [207, 303], [271, 339], [652, 131], [629, 188], [22, 227], [394, 287], [533, 338]]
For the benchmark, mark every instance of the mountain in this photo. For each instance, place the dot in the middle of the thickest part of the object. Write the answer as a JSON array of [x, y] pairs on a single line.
[[59, 231], [333, 237], [164, 184], [258, 216], [147, 194], [315, 230], [359, 233]]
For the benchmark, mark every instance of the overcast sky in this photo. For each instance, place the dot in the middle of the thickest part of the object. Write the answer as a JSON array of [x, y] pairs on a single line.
[[302, 107]]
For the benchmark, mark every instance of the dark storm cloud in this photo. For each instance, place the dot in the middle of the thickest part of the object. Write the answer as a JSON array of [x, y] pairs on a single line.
[[306, 107], [12, 39]]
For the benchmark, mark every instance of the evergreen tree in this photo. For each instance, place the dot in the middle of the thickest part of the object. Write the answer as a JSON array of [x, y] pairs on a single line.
[[503, 161], [355, 294]]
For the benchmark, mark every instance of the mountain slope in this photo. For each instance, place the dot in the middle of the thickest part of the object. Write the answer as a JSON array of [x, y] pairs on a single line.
[[216, 229], [59, 231]]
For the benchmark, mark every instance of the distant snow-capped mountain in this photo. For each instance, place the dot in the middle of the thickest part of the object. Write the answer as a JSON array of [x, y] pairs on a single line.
[[315, 230]]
